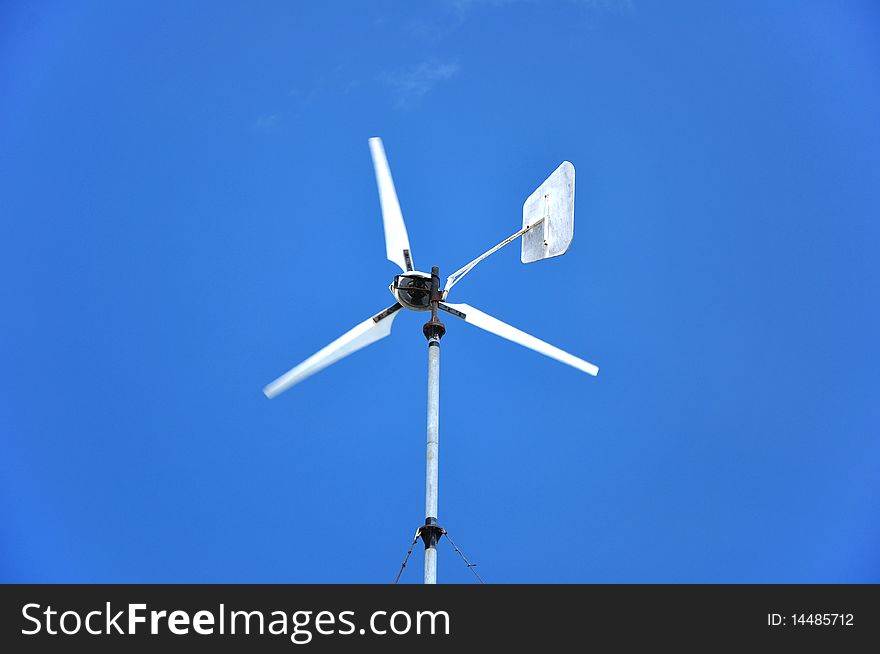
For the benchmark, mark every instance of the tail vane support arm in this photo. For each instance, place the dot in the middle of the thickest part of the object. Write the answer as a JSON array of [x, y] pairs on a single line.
[[453, 279]]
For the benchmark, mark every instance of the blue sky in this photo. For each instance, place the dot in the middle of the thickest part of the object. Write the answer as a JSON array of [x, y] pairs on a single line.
[[188, 209]]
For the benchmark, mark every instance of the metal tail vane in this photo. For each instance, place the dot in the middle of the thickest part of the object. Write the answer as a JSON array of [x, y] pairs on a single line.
[[547, 230]]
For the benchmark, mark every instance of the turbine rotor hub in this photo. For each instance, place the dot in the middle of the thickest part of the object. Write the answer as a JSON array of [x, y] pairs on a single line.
[[412, 290]]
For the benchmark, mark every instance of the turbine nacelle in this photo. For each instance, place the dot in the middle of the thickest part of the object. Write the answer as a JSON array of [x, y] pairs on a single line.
[[413, 290]]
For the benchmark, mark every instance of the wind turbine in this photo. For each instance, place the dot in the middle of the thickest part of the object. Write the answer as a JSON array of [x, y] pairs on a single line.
[[550, 207]]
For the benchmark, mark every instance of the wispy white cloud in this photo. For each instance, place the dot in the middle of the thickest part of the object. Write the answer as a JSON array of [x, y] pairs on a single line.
[[267, 122], [461, 7], [411, 85], [622, 6]]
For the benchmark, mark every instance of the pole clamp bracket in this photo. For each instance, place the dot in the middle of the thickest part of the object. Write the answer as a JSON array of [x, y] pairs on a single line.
[[431, 532], [434, 329]]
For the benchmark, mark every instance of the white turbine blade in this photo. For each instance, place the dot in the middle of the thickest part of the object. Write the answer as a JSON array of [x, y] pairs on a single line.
[[484, 321], [367, 332], [396, 240]]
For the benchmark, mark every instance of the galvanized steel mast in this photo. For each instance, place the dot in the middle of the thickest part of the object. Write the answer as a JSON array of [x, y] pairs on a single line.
[[431, 531]]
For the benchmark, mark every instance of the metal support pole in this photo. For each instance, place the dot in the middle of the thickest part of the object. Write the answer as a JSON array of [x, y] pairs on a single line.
[[432, 468], [431, 532]]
